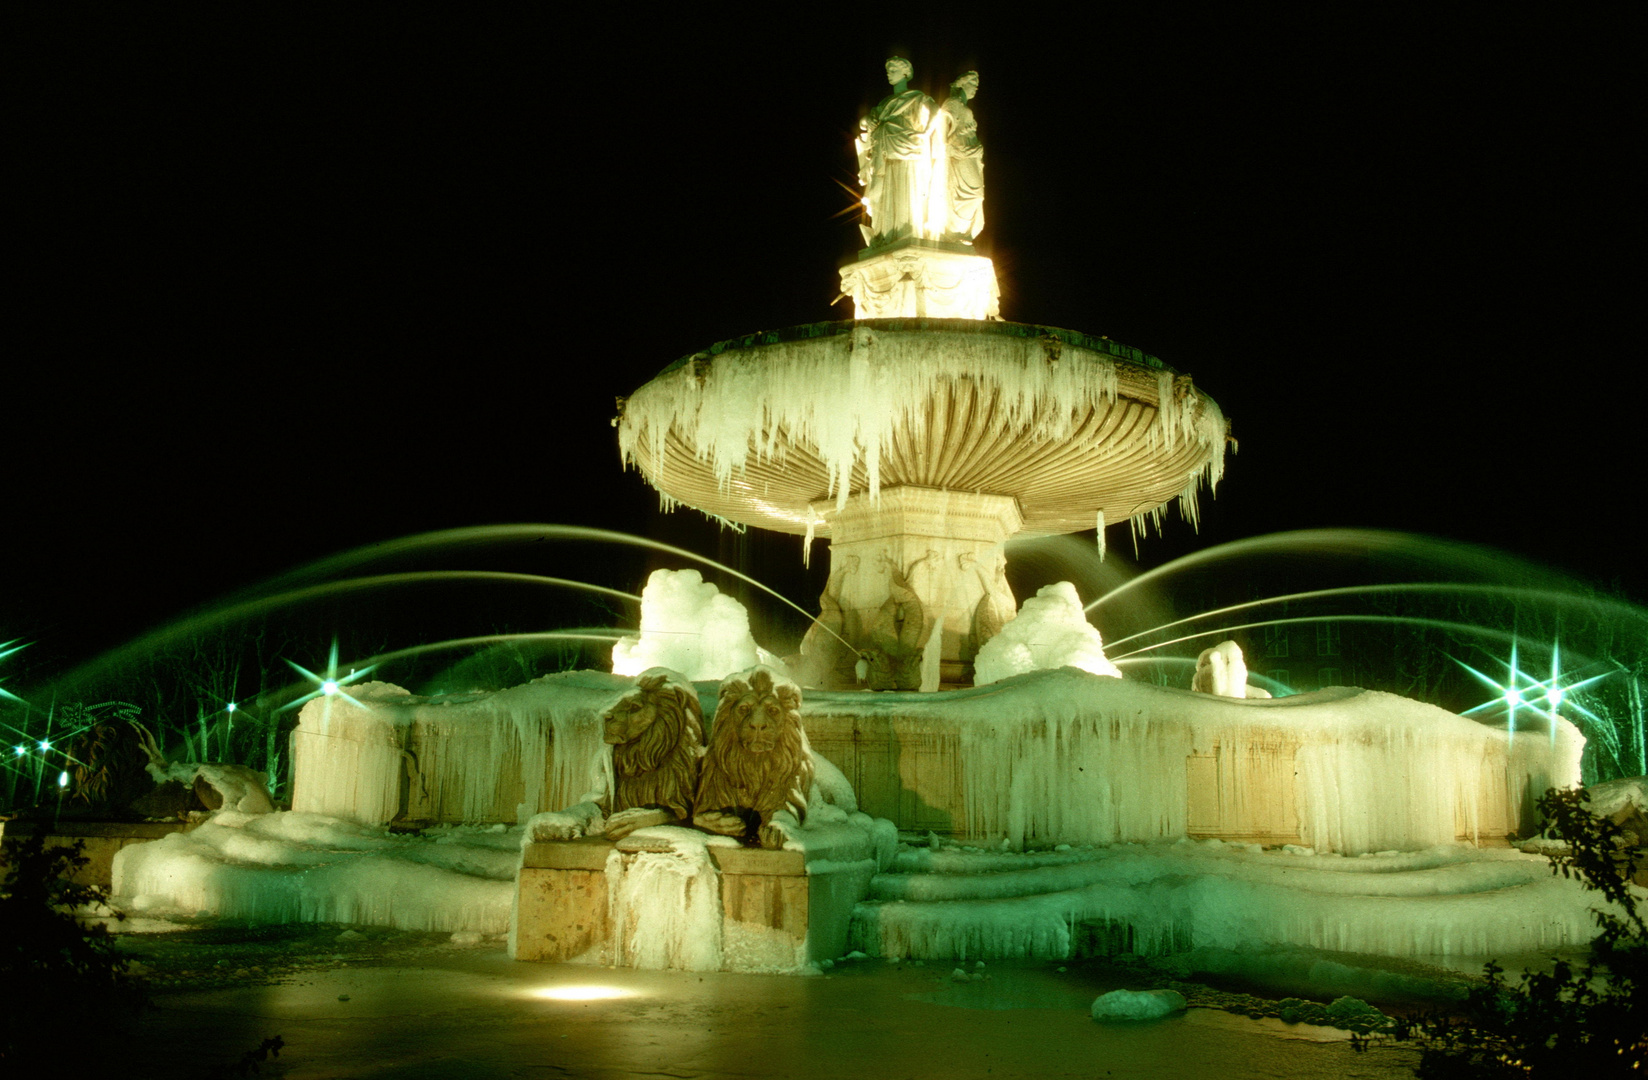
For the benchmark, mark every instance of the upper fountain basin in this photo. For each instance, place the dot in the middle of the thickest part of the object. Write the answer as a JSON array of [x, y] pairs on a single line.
[[758, 429]]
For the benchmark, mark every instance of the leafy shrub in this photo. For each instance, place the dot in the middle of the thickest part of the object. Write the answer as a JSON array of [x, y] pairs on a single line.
[[65, 982], [1588, 1020]]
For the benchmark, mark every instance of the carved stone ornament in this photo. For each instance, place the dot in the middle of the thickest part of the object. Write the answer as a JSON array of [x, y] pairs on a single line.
[[918, 280], [898, 634], [758, 761]]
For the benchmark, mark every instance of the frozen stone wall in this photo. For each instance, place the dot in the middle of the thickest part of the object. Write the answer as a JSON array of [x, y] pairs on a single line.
[[1068, 757], [1049, 757]]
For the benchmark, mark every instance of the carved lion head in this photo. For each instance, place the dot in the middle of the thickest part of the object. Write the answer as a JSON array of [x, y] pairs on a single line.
[[759, 711]]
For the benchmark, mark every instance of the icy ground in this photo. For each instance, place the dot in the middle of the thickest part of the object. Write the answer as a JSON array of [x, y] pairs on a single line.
[[399, 1004]]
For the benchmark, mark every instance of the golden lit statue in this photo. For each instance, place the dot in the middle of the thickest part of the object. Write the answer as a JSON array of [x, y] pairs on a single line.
[[956, 131], [895, 163]]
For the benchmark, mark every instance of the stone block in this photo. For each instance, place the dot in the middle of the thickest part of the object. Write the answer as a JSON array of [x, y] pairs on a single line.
[[561, 902]]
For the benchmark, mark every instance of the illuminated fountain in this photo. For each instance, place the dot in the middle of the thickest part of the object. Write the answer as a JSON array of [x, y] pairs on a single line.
[[922, 436], [918, 439]]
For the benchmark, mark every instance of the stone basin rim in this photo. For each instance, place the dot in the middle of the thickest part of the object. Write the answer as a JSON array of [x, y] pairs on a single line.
[[1113, 350]]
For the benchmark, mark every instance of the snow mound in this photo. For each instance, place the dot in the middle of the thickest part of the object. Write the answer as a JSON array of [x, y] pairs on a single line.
[[1051, 631], [295, 867], [1137, 1004], [689, 625]]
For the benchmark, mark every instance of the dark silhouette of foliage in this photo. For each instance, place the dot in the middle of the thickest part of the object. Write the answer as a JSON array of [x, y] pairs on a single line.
[[65, 982], [1585, 1020]]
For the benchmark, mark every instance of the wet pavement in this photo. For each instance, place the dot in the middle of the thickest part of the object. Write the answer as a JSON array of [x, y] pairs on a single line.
[[412, 1006]]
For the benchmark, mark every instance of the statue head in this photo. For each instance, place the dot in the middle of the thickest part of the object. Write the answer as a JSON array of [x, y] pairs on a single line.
[[899, 69], [967, 84]]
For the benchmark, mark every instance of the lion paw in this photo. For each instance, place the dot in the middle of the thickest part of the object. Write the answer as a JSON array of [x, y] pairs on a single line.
[[625, 822], [555, 825], [720, 823], [772, 837]]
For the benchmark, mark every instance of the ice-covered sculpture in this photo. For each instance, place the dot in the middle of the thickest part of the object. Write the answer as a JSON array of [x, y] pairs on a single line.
[[758, 761], [962, 162], [1222, 671], [218, 785], [1051, 631], [655, 735], [895, 161], [899, 633], [826, 658]]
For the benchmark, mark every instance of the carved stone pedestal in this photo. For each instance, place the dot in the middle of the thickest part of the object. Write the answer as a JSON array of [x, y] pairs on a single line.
[[916, 563], [913, 278]]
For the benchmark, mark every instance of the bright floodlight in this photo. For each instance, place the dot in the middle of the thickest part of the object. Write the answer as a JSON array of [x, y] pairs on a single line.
[[63, 778], [1512, 697], [21, 749], [44, 746], [230, 707], [583, 993], [1554, 696], [329, 687]]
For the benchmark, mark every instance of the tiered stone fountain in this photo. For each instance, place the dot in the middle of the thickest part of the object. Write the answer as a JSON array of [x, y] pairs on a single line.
[[925, 433], [917, 439]]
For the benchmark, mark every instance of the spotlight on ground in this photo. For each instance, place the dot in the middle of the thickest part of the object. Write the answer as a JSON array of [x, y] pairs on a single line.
[[582, 992]]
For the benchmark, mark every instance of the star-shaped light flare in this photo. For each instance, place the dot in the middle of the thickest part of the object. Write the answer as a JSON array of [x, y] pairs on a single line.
[[329, 684], [1521, 690]]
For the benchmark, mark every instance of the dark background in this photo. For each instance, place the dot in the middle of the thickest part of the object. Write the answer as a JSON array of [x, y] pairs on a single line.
[[294, 281]]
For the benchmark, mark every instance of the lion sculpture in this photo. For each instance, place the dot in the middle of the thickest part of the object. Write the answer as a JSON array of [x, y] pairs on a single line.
[[758, 761], [656, 735]]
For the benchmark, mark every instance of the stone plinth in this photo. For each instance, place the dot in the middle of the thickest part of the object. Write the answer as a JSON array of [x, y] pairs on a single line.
[[776, 913], [919, 579], [922, 279], [561, 901]]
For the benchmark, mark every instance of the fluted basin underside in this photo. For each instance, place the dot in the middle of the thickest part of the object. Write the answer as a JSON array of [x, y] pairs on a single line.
[[1071, 427]]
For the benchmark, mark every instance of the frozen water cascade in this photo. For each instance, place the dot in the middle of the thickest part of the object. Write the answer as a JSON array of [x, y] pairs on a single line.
[[1067, 756], [917, 447], [1059, 756], [1451, 900], [665, 900]]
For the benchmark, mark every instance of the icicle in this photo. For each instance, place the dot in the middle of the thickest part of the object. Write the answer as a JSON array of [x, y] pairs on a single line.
[[1165, 409], [807, 541], [1100, 536]]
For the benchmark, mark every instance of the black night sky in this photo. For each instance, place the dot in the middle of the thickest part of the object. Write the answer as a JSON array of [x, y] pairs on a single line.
[[285, 284]]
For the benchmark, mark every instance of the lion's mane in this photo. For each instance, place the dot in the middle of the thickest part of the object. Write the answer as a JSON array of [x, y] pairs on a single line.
[[659, 767], [738, 780]]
